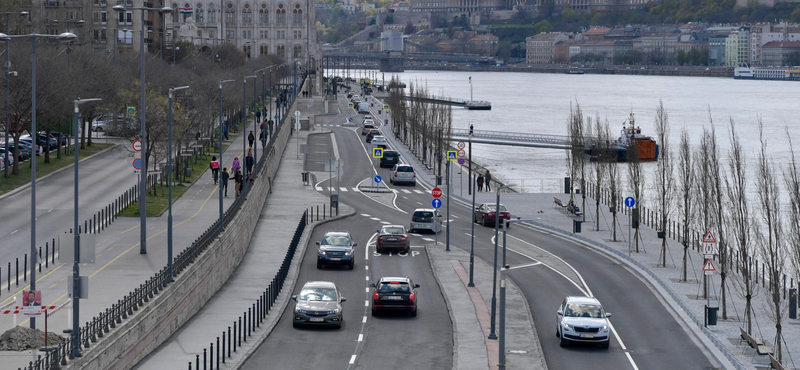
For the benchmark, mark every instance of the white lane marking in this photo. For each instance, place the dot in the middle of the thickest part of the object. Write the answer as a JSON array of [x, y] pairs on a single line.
[[427, 239], [366, 267], [352, 359], [468, 234], [14, 232], [366, 246], [405, 197], [334, 145], [366, 278], [367, 289], [51, 210], [319, 188], [418, 191], [360, 337], [385, 222], [415, 234], [344, 189], [523, 266], [365, 215], [364, 320], [394, 191], [355, 189], [454, 216], [375, 218], [406, 191], [366, 303], [419, 203], [331, 189], [588, 290]]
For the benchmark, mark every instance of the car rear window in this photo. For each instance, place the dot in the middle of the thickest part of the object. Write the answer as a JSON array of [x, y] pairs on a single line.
[[405, 169], [392, 230], [369, 126], [423, 214], [394, 287], [388, 154]]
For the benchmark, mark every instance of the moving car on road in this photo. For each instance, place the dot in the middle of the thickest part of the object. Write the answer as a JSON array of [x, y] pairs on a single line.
[[425, 219], [372, 133], [392, 237], [403, 173], [485, 214], [319, 303], [390, 158], [379, 141], [397, 294], [367, 128], [582, 320], [336, 247]]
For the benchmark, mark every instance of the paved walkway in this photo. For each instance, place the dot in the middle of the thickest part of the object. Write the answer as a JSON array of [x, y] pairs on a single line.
[[278, 221], [118, 267]]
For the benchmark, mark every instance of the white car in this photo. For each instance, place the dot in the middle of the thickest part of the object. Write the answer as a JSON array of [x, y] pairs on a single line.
[[379, 141], [582, 320]]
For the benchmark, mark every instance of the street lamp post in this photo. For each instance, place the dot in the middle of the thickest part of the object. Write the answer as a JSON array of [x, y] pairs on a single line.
[[76, 277], [244, 114], [69, 44], [492, 334], [8, 86], [33, 36], [169, 183], [143, 133], [502, 350], [472, 239], [221, 212]]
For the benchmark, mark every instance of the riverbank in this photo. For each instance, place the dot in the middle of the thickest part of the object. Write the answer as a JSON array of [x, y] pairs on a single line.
[[678, 71]]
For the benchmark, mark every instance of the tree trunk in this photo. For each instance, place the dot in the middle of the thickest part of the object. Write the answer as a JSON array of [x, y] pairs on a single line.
[[83, 134]]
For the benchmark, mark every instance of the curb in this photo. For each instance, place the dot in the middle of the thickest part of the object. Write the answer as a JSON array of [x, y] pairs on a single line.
[[710, 341], [39, 179], [293, 272], [447, 304], [537, 343]]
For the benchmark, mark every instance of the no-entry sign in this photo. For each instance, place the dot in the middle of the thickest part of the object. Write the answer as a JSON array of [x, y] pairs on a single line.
[[137, 145], [436, 192]]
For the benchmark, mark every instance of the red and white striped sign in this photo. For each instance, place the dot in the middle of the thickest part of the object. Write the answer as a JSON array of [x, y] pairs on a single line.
[[28, 310]]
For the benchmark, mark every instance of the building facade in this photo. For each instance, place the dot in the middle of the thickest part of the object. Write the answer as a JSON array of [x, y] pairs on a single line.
[[458, 6], [732, 49], [540, 49], [781, 54]]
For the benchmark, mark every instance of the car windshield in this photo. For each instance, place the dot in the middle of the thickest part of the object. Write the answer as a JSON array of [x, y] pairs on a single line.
[[318, 294], [337, 240], [369, 126], [394, 287], [389, 154], [584, 310], [392, 230], [423, 214], [405, 169], [492, 206]]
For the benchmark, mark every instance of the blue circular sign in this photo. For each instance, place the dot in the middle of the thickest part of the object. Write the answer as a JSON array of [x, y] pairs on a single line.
[[461, 161], [349, 119], [436, 203], [630, 202], [137, 164], [378, 179]]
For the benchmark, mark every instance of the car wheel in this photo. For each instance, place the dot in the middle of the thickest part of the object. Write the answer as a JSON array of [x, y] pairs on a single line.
[[407, 250], [483, 221], [295, 325], [319, 264], [605, 345], [562, 342], [352, 265], [413, 313], [374, 312]]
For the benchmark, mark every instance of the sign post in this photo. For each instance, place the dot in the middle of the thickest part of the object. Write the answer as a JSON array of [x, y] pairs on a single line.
[[709, 243], [297, 131], [436, 203], [629, 202]]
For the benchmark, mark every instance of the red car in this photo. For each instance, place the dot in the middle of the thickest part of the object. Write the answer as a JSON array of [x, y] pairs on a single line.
[[485, 214]]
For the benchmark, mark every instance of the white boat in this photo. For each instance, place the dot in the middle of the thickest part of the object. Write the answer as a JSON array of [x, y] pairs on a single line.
[[476, 104], [766, 73]]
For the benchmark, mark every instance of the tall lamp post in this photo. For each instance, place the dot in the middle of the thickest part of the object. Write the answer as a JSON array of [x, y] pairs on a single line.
[[472, 238], [143, 133], [76, 276], [244, 112], [68, 22], [8, 85], [221, 211], [67, 37], [492, 334], [169, 183], [263, 92], [502, 350]]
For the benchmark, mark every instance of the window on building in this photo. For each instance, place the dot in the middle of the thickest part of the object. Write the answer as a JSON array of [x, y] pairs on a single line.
[[95, 17], [186, 13], [263, 50], [200, 13], [281, 51], [230, 35], [297, 15], [103, 17], [246, 50], [263, 15], [264, 34], [298, 34], [297, 51], [280, 15], [247, 14], [212, 14], [230, 15]]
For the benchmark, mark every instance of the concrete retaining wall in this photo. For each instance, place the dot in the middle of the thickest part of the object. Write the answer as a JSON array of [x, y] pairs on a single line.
[[155, 322]]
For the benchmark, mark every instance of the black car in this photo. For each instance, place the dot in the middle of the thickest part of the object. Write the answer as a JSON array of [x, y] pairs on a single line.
[[397, 294], [390, 158], [372, 133], [336, 247]]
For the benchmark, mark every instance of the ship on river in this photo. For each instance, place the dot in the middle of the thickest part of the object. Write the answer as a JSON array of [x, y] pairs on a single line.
[[631, 140], [758, 73]]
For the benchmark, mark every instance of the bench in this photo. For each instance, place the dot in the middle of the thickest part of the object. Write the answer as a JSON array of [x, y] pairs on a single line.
[[759, 345], [775, 364], [575, 210], [558, 202]]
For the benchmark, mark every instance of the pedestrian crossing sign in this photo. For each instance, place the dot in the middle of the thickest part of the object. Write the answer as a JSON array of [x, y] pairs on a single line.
[[131, 111], [350, 105], [452, 155], [377, 152], [386, 107]]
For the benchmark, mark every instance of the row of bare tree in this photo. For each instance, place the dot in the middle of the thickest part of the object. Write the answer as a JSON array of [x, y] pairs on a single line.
[[750, 232]]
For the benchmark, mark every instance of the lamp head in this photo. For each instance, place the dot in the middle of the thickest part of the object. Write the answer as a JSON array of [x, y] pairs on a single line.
[[118, 8], [4, 37], [166, 10], [67, 36]]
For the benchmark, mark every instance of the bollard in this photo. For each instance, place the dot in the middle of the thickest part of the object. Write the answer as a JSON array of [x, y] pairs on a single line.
[[16, 272], [40, 259], [234, 337], [25, 269], [9, 277], [223, 347], [229, 341], [218, 353], [317, 212], [46, 254], [211, 356], [53, 258], [240, 331], [205, 359], [197, 362], [190, 365]]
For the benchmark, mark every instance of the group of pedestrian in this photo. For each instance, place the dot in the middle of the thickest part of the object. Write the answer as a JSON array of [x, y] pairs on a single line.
[[484, 179]]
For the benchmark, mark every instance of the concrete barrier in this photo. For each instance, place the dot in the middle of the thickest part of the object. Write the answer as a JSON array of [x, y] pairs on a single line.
[[156, 321]]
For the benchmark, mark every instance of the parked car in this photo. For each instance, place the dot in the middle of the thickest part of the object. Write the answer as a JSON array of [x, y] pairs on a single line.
[[336, 247], [44, 138], [366, 128], [582, 320], [22, 154], [392, 237], [3, 160], [61, 138], [319, 303], [99, 126], [398, 294], [28, 141], [372, 133], [403, 173], [485, 214], [390, 158], [379, 141], [425, 219]]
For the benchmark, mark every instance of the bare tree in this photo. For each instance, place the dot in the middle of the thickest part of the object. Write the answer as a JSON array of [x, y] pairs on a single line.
[[665, 182], [773, 251], [687, 188], [636, 184], [575, 153], [600, 166], [614, 183], [713, 171], [791, 176]]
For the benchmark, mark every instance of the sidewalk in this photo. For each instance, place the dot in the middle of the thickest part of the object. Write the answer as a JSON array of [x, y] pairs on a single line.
[[278, 220], [118, 267]]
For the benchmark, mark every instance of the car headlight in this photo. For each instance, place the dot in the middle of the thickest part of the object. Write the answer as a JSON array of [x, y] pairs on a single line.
[[322, 253], [567, 326], [348, 253], [298, 310], [605, 328], [337, 310]]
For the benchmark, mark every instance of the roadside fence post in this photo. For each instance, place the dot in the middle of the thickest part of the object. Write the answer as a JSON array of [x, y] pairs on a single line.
[[205, 359], [229, 341], [223, 352]]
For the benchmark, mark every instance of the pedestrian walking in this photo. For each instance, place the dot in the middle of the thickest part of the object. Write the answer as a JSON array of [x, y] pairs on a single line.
[[249, 161], [214, 166], [480, 182], [237, 178], [225, 177], [251, 138], [225, 131], [258, 116], [263, 138], [271, 123], [488, 180], [249, 180], [236, 166]]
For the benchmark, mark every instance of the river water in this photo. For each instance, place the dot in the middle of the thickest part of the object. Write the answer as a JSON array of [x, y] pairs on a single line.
[[540, 103]]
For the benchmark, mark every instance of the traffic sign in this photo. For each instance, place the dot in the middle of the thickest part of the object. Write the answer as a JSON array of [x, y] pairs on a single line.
[[131, 111], [436, 192], [461, 145], [350, 105], [386, 107], [461, 161], [710, 250], [378, 178], [137, 164], [349, 119], [709, 238], [377, 152], [436, 203], [452, 155], [137, 145], [709, 268], [276, 116], [461, 153], [630, 202]]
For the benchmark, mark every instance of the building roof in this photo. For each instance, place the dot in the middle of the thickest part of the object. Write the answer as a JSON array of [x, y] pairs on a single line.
[[545, 36], [598, 31], [485, 37], [782, 44]]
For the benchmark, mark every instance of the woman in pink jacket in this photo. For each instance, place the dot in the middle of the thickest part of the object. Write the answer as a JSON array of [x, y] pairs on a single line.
[[236, 165]]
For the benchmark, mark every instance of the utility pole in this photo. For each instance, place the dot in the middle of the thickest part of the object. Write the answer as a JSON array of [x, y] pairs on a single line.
[[447, 247]]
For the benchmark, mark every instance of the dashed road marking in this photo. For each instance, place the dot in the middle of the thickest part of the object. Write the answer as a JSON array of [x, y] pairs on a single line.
[[360, 337], [418, 191], [375, 218], [364, 320], [427, 239], [415, 234], [406, 191], [366, 303], [343, 189], [51, 210], [352, 359], [319, 188], [14, 232], [355, 189], [366, 278], [385, 222], [365, 215]]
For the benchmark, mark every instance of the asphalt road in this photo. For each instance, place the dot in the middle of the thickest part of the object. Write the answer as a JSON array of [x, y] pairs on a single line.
[[647, 335]]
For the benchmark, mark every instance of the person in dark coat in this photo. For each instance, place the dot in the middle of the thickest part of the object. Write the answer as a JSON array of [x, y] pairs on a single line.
[[488, 178], [263, 136], [480, 182], [271, 123], [237, 178], [251, 138], [225, 177], [249, 161]]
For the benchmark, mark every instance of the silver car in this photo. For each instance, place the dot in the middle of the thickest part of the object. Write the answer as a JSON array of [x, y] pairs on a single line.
[[582, 320], [319, 303], [403, 173]]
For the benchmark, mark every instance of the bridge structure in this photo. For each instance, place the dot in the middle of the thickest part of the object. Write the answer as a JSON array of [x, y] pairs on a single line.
[[369, 55], [518, 139]]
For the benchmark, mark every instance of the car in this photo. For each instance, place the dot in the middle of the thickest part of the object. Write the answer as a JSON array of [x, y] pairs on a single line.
[[23, 151], [372, 133], [369, 122], [319, 303], [582, 320], [61, 138], [390, 158], [99, 126], [398, 294], [379, 141], [11, 158], [3, 160], [27, 141], [44, 138], [363, 107], [425, 219], [367, 128], [485, 214], [403, 174], [392, 237], [367, 118], [336, 247]]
